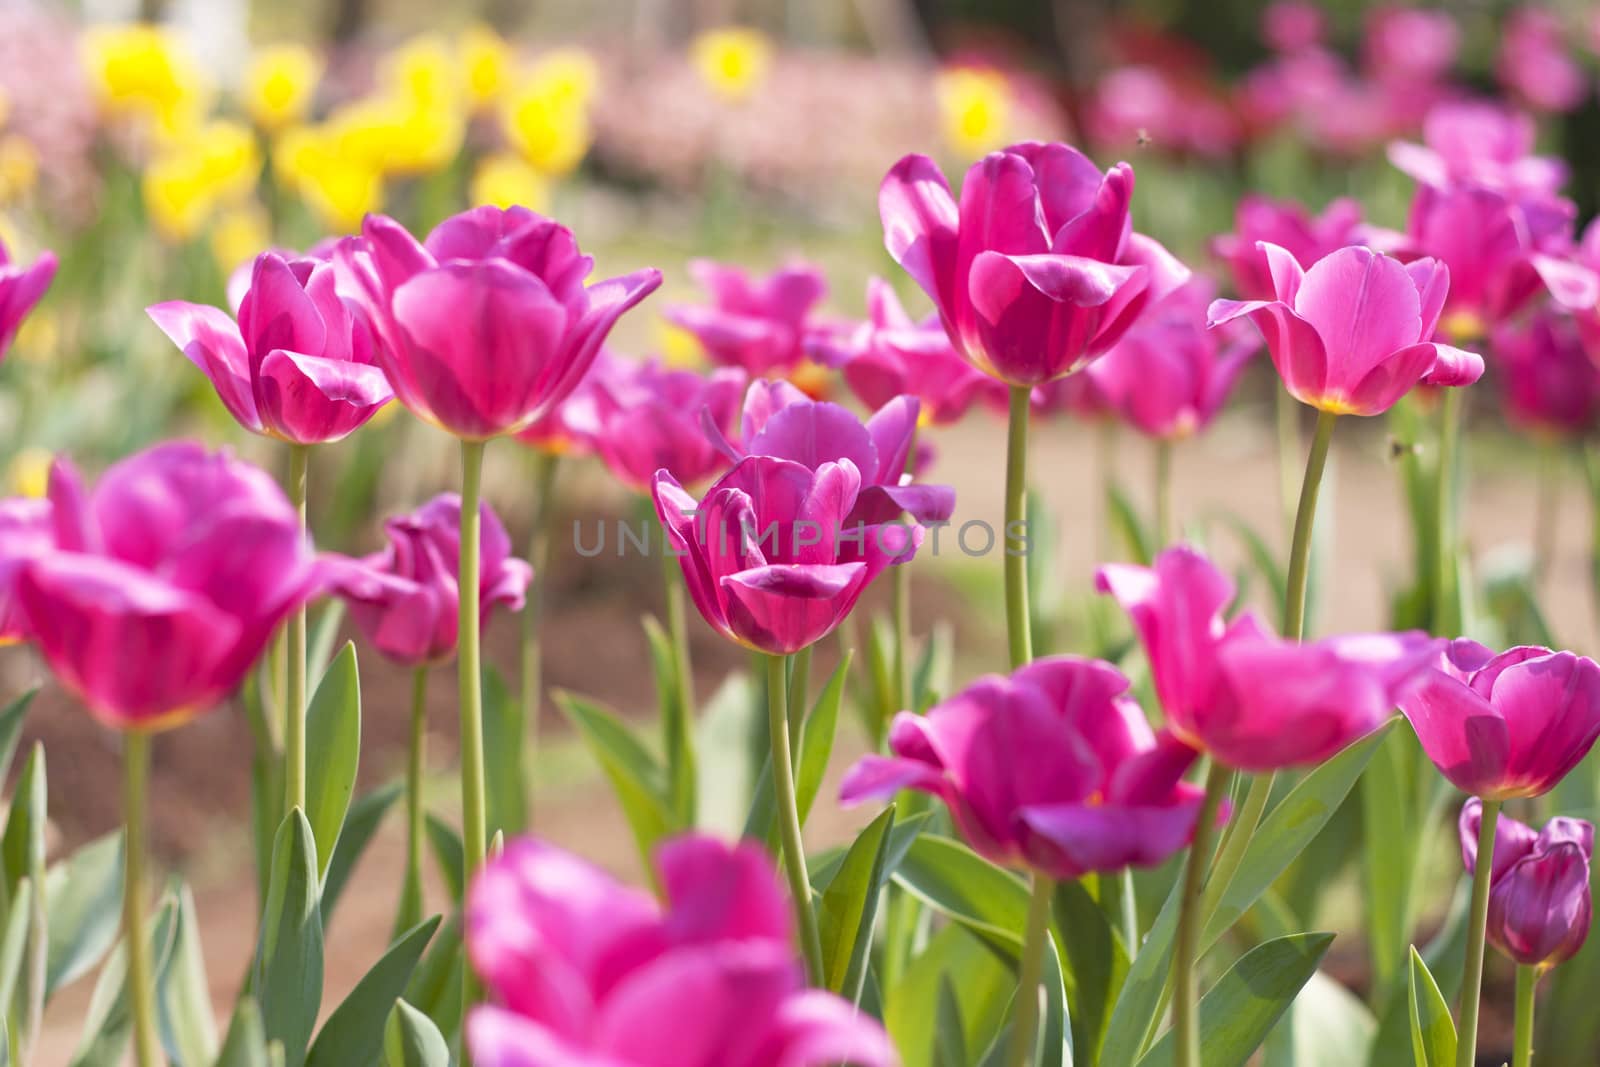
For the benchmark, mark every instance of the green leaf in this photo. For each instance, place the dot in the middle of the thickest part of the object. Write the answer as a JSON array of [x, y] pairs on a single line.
[[109, 1019], [11, 719], [677, 723], [729, 766], [1393, 838], [1124, 520], [360, 824], [1433, 1032], [1095, 966], [353, 1034], [816, 739], [825, 865], [1445, 955], [288, 962], [14, 942], [849, 908], [418, 1041], [983, 985], [183, 996], [635, 776], [333, 750], [931, 679], [949, 1037], [85, 908], [877, 704], [1241, 1009], [504, 749], [246, 1043], [1134, 1015], [1326, 1026], [435, 987], [23, 852], [449, 853], [324, 636]]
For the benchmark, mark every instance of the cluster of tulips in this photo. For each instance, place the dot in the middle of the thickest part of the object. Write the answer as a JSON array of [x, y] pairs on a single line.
[[153, 594]]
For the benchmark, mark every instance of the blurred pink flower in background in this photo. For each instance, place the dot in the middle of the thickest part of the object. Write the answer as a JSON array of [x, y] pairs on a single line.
[[649, 418], [1409, 44], [1534, 64], [1547, 383], [1288, 225], [1145, 104], [27, 529], [569, 428], [1482, 142], [759, 325], [1290, 25]]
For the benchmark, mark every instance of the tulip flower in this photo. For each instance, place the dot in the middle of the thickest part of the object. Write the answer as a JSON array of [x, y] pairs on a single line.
[[1412, 45], [1289, 226], [1482, 143], [1534, 63], [1352, 335], [26, 529], [650, 418], [1054, 768], [20, 289], [404, 600], [1548, 385], [153, 598], [758, 325], [890, 355], [1539, 907], [1037, 271], [298, 365], [583, 970], [1291, 25]]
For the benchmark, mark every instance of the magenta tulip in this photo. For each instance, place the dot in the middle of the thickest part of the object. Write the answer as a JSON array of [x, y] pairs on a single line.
[[487, 324], [649, 418], [570, 428], [1289, 226], [1291, 25], [27, 529], [1409, 44], [1352, 335], [1539, 897], [1507, 725], [758, 325], [164, 584], [1548, 385], [1170, 375], [1534, 63], [405, 598], [1038, 270], [1479, 142], [21, 288], [299, 363], [1254, 701], [588, 973], [889, 355], [1054, 769]]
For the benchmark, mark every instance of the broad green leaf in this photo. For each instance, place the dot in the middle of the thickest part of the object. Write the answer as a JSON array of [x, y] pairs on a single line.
[[504, 751], [288, 963], [353, 1034], [1445, 956], [824, 865], [848, 911], [435, 986], [11, 719], [728, 767], [108, 1022], [23, 850], [949, 1037], [877, 703], [1433, 1032], [1326, 1026], [1241, 1009], [360, 824], [977, 976], [85, 909], [14, 942], [816, 739], [417, 1041], [1095, 965], [246, 1043], [333, 750], [1136, 1011], [635, 775], [449, 853], [183, 996], [266, 790], [677, 722]]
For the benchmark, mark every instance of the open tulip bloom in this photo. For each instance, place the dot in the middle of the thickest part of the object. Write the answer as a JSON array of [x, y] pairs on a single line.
[[21, 288], [584, 972], [760, 326]]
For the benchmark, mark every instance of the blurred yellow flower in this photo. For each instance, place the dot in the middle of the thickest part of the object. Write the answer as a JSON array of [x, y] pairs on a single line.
[[29, 473], [505, 179], [974, 109], [338, 187], [142, 71], [546, 116], [240, 232], [38, 336], [423, 70], [19, 167], [679, 348], [280, 83], [485, 64], [732, 60]]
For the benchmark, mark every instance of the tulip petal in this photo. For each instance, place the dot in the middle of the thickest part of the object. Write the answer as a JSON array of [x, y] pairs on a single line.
[[1462, 733], [716, 892], [782, 608], [500, 1038], [1070, 840], [1381, 387], [1294, 344], [1364, 306], [920, 222], [1552, 705], [211, 341], [312, 400], [818, 1029], [1512, 839]]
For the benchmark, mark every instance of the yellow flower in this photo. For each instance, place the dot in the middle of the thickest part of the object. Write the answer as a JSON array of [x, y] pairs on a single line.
[[732, 60], [398, 134], [485, 64], [679, 348], [280, 83], [547, 116], [338, 187], [177, 196], [19, 167], [505, 179], [140, 70], [239, 233], [423, 70], [29, 473], [974, 109]]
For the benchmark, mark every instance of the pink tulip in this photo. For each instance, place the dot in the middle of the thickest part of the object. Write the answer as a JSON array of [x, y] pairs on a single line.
[[486, 325], [162, 586], [1254, 701], [1290, 25], [26, 530], [405, 598], [569, 428], [1170, 375], [1410, 44], [1038, 271], [21, 288], [649, 418], [1351, 335], [782, 422], [1480, 142], [1534, 64], [1539, 897], [889, 355], [1054, 768], [758, 325], [1505, 726], [584, 972], [1547, 383], [1587, 257], [298, 365], [1078, 395], [1288, 225]]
